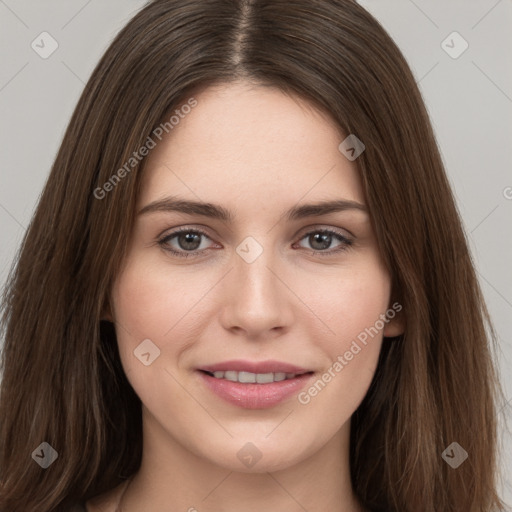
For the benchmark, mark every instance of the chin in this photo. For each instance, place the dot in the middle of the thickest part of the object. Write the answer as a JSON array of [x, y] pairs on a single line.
[[258, 456]]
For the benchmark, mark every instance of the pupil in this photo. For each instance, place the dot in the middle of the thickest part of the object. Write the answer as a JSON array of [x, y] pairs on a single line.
[[323, 238], [187, 241]]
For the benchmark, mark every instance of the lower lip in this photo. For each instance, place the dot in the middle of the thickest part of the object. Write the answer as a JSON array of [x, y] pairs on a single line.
[[255, 396]]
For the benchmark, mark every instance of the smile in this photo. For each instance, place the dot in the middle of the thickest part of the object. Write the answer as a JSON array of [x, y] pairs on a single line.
[[254, 385]]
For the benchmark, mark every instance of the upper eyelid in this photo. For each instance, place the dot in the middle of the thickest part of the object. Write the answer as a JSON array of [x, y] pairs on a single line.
[[203, 230]]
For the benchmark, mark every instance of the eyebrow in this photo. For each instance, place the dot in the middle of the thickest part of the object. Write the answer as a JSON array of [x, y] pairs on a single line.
[[173, 204]]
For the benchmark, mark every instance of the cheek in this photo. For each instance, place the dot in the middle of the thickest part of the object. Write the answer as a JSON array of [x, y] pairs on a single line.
[[352, 310], [148, 298], [149, 303], [152, 302], [140, 304], [348, 301]]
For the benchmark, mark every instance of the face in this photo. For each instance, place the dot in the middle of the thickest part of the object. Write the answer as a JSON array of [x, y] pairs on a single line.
[[212, 318]]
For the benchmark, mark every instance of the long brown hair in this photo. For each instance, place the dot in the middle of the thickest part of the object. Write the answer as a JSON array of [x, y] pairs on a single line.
[[63, 383]]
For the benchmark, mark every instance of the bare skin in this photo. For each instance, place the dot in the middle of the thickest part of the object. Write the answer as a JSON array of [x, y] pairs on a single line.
[[256, 152], [106, 502]]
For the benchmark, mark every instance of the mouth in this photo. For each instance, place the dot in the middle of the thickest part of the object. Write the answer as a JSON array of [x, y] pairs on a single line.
[[254, 385]]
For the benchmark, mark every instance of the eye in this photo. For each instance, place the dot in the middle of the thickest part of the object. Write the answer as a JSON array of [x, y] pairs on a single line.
[[321, 239], [186, 242]]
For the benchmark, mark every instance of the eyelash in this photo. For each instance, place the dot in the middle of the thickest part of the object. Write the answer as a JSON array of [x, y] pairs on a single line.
[[346, 242]]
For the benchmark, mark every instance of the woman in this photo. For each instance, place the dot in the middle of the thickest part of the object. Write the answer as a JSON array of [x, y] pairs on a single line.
[[246, 284]]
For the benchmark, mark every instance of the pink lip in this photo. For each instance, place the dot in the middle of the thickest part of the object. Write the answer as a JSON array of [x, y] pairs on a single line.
[[255, 396], [254, 367]]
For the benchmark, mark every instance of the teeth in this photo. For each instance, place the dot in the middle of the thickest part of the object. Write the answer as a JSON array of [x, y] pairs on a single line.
[[246, 377], [264, 378], [251, 378]]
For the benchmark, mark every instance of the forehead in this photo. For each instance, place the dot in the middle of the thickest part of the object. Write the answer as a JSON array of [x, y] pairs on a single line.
[[252, 144]]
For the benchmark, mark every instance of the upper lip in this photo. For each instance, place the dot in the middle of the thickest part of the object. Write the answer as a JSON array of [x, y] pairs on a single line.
[[254, 367]]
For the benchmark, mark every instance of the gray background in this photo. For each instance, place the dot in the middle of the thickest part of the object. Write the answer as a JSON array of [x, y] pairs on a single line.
[[469, 99]]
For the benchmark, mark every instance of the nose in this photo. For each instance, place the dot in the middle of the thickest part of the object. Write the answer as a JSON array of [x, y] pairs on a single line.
[[257, 300]]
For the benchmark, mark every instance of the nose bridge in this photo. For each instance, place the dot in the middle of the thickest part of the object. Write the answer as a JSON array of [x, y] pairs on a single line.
[[258, 300], [253, 262]]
